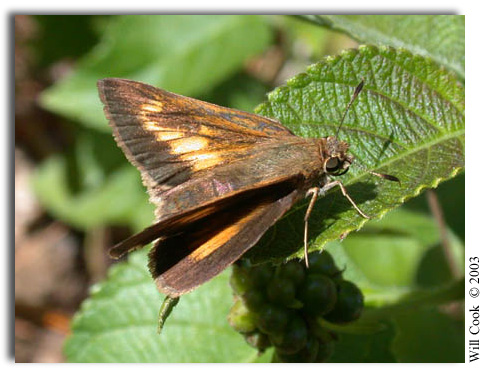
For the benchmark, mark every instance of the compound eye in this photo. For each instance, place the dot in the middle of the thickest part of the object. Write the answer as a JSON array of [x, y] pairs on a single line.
[[332, 164]]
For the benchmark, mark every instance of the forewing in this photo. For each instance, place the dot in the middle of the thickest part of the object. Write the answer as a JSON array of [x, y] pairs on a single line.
[[172, 138]]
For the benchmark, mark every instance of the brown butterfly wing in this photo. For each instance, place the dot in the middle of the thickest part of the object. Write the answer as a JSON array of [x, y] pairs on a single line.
[[196, 253], [172, 223], [190, 152], [219, 177], [172, 138]]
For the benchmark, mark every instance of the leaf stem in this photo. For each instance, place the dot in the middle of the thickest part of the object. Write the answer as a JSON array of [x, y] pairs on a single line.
[[436, 209]]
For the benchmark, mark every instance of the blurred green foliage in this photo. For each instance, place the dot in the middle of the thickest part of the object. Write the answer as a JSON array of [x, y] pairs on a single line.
[[441, 37], [90, 184]]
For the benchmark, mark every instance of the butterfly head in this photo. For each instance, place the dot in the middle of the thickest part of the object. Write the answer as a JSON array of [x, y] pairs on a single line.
[[337, 160]]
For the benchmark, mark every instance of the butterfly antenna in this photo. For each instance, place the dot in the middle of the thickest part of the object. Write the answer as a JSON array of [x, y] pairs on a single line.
[[358, 89]]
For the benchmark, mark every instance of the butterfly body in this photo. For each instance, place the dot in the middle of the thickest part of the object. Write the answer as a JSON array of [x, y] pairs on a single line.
[[219, 177]]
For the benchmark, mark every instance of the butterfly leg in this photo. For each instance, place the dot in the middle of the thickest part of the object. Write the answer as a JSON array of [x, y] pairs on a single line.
[[331, 184], [314, 192]]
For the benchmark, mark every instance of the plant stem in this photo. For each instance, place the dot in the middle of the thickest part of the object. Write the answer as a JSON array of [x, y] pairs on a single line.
[[437, 212]]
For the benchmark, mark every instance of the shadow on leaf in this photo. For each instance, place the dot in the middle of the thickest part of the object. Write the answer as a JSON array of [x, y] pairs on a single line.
[[285, 238]]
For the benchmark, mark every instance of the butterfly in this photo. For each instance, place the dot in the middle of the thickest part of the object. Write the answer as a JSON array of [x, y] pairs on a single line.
[[219, 177]]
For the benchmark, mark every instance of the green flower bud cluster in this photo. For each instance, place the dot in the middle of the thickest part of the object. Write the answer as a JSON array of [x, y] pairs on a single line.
[[280, 306]]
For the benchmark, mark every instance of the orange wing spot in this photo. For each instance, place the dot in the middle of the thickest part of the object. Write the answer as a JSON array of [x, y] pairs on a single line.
[[214, 243], [205, 130], [206, 160], [151, 126], [186, 145], [156, 127], [164, 136], [152, 108], [211, 245]]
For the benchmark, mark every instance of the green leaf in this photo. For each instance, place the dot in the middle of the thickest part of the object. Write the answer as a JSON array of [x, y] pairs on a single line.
[[440, 37], [118, 199], [101, 335], [118, 322], [407, 122], [408, 308], [390, 252], [93, 184], [183, 54], [442, 295], [397, 257], [351, 348], [428, 335], [451, 195], [63, 37], [241, 92]]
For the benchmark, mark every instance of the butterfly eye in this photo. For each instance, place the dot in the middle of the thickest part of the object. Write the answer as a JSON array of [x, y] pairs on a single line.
[[332, 164]]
